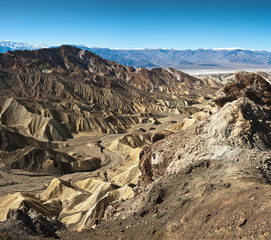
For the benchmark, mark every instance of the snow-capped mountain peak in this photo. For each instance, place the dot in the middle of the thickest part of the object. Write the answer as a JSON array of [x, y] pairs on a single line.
[[21, 45]]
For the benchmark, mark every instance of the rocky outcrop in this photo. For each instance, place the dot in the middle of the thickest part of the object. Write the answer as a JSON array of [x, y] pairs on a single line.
[[249, 85], [33, 222], [240, 128]]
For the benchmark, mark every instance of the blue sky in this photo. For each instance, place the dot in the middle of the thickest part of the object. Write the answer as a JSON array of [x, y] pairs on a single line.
[[138, 24]]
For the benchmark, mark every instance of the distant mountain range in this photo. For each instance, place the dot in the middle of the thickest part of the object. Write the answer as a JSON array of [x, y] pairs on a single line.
[[11, 46], [230, 58]]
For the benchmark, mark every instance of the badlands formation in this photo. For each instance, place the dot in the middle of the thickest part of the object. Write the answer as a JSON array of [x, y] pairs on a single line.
[[91, 149]]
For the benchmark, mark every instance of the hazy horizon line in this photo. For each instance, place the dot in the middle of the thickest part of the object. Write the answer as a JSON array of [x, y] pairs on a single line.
[[143, 48]]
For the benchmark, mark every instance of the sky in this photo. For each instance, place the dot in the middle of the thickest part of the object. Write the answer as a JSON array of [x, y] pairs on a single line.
[[190, 24]]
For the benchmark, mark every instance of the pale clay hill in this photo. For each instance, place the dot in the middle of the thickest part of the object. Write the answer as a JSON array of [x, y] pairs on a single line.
[[168, 177]]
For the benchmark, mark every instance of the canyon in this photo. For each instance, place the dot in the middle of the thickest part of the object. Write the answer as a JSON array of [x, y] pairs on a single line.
[[92, 149]]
